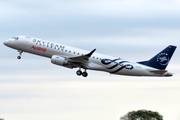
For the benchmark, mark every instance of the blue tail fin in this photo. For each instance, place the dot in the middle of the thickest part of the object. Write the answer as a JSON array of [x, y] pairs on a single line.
[[161, 60]]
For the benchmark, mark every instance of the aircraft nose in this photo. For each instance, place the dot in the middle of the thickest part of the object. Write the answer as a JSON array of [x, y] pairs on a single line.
[[5, 42]]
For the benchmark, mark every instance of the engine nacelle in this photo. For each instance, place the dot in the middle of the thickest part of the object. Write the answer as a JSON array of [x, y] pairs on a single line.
[[55, 59]]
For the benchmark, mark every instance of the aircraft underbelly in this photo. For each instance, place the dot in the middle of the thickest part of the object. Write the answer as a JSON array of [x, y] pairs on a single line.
[[125, 72]]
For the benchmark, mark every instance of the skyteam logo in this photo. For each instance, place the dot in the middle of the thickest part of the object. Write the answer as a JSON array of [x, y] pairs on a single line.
[[163, 59], [118, 66]]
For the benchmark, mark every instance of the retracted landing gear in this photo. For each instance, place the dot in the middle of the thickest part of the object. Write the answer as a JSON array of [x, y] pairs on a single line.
[[84, 74], [20, 52]]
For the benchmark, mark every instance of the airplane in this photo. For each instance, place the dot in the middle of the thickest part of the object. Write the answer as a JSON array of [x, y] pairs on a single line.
[[71, 57]]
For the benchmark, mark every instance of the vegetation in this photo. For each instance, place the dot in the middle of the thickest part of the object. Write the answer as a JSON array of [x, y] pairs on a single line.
[[142, 115]]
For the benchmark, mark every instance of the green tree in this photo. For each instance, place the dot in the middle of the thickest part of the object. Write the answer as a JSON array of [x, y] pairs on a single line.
[[142, 115]]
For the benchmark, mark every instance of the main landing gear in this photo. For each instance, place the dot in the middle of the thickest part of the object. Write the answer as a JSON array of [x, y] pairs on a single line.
[[20, 52], [84, 74]]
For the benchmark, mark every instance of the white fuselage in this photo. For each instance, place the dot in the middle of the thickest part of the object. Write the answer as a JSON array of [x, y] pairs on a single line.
[[97, 61]]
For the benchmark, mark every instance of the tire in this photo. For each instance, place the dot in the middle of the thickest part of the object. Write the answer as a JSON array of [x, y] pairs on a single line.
[[18, 57], [79, 72], [84, 74]]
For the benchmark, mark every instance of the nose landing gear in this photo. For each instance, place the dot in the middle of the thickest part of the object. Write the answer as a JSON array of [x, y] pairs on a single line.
[[84, 74], [20, 52]]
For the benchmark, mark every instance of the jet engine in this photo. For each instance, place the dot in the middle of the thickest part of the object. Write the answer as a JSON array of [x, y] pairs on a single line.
[[55, 59]]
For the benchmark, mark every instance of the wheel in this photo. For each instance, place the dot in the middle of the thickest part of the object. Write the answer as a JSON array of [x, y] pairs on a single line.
[[79, 72], [18, 57], [84, 74]]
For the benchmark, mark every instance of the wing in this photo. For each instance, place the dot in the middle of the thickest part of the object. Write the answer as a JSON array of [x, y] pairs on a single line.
[[81, 61]]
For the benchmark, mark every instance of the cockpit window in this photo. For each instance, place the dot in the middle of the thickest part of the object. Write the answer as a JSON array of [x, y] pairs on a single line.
[[16, 38]]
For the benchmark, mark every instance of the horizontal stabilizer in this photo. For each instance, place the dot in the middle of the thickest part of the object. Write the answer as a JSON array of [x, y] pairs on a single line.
[[162, 72], [159, 71]]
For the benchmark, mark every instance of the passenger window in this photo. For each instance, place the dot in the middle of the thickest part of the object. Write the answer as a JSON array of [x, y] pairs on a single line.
[[52, 44]]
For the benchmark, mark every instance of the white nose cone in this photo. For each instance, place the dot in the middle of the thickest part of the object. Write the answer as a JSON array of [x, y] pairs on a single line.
[[5, 43]]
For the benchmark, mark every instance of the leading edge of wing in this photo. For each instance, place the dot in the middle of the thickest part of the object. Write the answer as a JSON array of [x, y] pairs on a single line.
[[81, 60], [86, 56]]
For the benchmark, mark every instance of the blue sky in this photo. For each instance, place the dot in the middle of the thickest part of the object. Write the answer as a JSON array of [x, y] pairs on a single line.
[[136, 30]]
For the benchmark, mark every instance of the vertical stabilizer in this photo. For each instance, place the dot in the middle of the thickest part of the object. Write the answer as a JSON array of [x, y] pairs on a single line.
[[161, 60]]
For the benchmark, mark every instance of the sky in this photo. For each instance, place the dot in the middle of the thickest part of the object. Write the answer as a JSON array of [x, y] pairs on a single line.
[[135, 30]]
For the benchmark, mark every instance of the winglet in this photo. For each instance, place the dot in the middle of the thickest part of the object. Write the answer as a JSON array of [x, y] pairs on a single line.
[[89, 54]]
